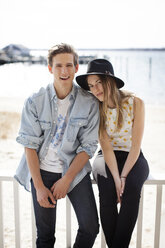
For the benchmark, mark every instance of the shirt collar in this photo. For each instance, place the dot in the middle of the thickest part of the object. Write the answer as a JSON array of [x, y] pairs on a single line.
[[74, 91], [53, 94]]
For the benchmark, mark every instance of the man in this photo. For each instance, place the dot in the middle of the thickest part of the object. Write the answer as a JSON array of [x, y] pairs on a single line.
[[59, 130]]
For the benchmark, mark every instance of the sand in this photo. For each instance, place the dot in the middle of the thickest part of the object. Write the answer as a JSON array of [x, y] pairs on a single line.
[[10, 152]]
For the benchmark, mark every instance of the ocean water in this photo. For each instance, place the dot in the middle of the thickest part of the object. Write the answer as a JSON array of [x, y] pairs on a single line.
[[142, 71]]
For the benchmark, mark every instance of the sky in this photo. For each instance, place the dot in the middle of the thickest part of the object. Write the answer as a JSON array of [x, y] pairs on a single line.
[[41, 24]]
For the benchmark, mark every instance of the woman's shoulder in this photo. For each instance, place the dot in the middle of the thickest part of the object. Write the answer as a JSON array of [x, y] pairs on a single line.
[[138, 101], [132, 100], [127, 97], [138, 105]]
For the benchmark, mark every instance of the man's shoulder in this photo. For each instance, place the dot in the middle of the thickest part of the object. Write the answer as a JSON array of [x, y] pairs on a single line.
[[86, 96], [41, 93]]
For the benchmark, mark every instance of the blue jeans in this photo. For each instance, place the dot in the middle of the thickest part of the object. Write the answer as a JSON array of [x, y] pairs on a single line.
[[83, 202]]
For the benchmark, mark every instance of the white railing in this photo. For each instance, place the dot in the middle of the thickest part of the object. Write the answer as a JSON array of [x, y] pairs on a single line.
[[157, 180]]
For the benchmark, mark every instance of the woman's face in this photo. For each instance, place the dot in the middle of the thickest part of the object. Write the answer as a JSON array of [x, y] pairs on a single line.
[[95, 86]]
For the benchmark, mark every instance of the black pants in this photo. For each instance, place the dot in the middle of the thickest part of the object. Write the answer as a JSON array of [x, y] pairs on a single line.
[[118, 227]]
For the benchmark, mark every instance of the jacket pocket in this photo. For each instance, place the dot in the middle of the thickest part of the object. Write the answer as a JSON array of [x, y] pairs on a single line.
[[45, 125], [74, 126]]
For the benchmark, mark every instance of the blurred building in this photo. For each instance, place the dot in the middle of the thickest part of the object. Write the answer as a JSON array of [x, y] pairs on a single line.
[[15, 51]]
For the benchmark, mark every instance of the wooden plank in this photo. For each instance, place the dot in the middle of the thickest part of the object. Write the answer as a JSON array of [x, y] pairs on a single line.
[[6, 175], [156, 179]]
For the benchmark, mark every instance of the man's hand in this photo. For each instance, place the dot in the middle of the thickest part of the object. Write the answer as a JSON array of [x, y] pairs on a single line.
[[44, 196], [60, 188]]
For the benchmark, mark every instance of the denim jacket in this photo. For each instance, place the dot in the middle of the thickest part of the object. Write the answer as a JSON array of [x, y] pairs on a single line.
[[38, 125]]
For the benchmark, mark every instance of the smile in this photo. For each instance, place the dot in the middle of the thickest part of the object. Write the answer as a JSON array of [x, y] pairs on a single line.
[[64, 78]]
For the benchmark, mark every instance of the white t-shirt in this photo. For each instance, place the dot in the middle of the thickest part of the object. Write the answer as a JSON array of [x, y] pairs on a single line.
[[52, 162]]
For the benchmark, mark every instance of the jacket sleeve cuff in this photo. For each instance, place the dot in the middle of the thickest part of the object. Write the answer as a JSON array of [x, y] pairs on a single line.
[[90, 149], [29, 141]]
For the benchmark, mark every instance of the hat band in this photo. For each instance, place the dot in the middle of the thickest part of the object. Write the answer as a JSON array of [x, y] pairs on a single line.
[[105, 72], [108, 73]]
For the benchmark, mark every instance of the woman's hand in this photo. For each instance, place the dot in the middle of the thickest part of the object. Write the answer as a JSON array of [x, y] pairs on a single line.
[[118, 186], [122, 179]]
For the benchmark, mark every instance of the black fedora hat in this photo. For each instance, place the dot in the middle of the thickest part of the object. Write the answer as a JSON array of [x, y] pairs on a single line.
[[98, 67]]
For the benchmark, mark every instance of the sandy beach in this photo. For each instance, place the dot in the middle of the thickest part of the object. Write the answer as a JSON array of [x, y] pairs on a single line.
[[10, 152]]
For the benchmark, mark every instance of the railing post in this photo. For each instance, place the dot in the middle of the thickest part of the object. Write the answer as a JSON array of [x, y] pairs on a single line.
[[33, 225], [68, 223], [140, 222], [158, 216], [16, 213], [1, 217], [103, 243]]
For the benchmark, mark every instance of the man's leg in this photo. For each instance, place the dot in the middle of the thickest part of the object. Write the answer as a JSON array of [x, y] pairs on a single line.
[[83, 201], [45, 217]]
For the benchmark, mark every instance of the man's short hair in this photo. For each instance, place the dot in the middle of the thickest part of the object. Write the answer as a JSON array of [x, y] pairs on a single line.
[[62, 48]]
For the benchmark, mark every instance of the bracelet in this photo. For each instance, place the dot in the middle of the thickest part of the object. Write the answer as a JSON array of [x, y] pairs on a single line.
[[122, 177]]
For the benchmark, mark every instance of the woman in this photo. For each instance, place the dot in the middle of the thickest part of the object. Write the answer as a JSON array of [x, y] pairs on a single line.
[[122, 170]]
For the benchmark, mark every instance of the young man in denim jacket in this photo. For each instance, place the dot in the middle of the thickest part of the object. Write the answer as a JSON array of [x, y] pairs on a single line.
[[59, 130]]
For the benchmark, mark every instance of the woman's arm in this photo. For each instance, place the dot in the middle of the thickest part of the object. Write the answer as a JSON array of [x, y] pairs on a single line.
[[137, 134], [111, 162]]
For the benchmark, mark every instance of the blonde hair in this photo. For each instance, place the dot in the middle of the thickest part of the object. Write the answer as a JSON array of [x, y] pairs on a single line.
[[119, 97]]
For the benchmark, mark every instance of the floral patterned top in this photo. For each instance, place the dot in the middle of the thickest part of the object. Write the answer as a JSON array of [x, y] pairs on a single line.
[[122, 139]]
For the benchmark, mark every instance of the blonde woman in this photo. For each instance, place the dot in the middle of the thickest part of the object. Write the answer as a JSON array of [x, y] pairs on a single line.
[[120, 168]]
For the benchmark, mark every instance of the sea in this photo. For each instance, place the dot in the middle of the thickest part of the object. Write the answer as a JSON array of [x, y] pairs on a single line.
[[142, 71]]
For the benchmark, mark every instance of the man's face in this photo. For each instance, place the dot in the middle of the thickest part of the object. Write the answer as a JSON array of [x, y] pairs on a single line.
[[63, 70]]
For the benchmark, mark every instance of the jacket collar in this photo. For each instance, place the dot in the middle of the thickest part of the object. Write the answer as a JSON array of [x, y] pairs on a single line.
[[53, 94]]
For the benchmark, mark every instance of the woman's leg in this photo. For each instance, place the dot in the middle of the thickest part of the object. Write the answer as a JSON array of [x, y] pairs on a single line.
[[108, 206], [130, 203]]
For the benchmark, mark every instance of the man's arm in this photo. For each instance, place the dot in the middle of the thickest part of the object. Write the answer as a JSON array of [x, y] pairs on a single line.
[[42, 192], [60, 188]]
